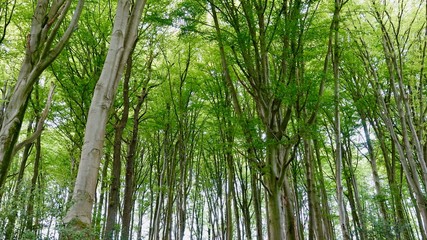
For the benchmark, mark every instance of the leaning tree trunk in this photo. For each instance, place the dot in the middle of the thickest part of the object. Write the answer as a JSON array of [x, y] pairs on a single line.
[[39, 54], [124, 35]]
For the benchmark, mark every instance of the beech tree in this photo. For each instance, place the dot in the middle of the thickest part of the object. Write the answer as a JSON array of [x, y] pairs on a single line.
[[215, 119], [124, 35]]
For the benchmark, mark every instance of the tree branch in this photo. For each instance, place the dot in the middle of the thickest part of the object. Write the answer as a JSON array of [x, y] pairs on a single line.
[[40, 123]]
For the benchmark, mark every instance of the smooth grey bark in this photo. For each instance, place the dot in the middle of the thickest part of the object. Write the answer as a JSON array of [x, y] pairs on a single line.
[[123, 36], [39, 54]]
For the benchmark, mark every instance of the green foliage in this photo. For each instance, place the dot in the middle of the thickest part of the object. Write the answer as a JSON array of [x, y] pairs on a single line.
[[189, 124]]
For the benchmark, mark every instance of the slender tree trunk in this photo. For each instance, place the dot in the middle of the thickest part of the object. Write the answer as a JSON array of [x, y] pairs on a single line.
[[19, 186], [314, 230], [130, 168], [351, 196], [30, 206], [325, 212], [396, 186], [409, 147], [373, 162], [96, 222], [230, 190], [111, 229], [257, 201], [161, 182], [338, 139], [123, 37]]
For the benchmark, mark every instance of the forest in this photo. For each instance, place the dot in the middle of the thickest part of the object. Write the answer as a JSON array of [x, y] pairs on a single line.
[[213, 119]]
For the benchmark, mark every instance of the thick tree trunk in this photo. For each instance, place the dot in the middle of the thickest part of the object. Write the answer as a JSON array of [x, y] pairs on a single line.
[[123, 37], [275, 213]]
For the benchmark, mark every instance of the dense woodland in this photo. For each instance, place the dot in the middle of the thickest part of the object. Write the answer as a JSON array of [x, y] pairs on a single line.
[[213, 119]]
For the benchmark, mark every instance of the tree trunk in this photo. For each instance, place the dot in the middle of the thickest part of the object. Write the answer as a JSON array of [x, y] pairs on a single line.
[[275, 214], [257, 201], [30, 206], [155, 219], [96, 222], [18, 187], [128, 201], [314, 230], [338, 140], [123, 37], [114, 199], [325, 212]]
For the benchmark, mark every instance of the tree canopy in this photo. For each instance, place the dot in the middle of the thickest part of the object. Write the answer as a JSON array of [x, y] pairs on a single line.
[[213, 119]]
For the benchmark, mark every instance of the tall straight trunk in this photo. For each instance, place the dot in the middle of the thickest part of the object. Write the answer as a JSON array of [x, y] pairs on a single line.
[[256, 197], [402, 146], [314, 229], [184, 148], [39, 54], [230, 192], [338, 147], [171, 189], [114, 198], [30, 206], [162, 165], [374, 166], [352, 200], [392, 167], [128, 200], [243, 202], [325, 212], [275, 214], [246, 215], [96, 222], [244, 124], [123, 36]]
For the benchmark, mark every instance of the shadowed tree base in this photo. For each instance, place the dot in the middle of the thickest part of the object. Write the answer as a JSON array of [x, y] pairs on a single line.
[[77, 229]]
